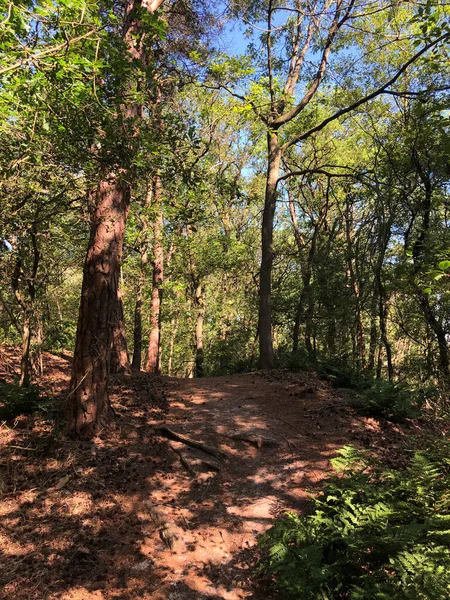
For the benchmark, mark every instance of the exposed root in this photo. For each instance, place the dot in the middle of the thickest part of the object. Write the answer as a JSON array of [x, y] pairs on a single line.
[[178, 437]]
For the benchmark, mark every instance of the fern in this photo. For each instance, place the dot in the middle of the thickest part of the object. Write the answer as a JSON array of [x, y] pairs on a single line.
[[375, 533]]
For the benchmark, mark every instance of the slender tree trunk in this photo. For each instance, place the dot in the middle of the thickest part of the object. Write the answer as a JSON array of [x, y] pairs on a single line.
[[331, 336], [266, 353], [419, 250], [351, 270], [299, 315], [24, 380], [383, 315], [173, 337], [120, 362], [152, 362], [88, 401], [373, 332], [137, 330], [380, 360], [40, 341], [199, 356]]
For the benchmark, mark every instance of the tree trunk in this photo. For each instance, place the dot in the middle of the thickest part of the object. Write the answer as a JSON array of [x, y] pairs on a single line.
[[199, 356], [174, 328], [419, 250], [352, 276], [373, 332], [266, 354], [88, 402], [24, 380], [383, 314], [439, 331], [137, 330], [120, 362], [152, 362]]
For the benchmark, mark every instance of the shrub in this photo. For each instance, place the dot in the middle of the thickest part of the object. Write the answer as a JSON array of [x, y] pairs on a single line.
[[374, 533], [16, 401], [386, 399]]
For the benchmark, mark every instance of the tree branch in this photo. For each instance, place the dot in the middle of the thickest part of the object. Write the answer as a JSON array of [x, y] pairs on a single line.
[[381, 90]]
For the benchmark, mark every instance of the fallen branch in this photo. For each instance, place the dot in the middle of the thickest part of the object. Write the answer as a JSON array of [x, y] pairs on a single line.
[[178, 437], [255, 440], [184, 462]]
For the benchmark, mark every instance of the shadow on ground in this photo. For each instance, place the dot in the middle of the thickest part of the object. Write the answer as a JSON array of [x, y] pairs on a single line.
[[135, 516]]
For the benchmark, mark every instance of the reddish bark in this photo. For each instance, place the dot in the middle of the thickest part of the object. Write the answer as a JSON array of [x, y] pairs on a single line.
[[152, 361], [119, 357], [88, 401]]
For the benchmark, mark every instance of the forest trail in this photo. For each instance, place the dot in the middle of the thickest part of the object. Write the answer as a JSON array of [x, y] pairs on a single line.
[[135, 516]]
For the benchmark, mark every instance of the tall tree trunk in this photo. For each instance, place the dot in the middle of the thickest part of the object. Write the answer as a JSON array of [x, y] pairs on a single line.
[[137, 330], [40, 342], [383, 309], [299, 315], [199, 356], [143, 257], [173, 337], [419, 250], [152, 362], [373, 332], [88, 402], [120, 362], [266, 354], [24, 380], [352, 276]]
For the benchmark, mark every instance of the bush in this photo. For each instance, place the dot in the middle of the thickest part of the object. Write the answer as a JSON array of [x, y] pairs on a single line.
[[16, 401], [374, 533], [388, 400]]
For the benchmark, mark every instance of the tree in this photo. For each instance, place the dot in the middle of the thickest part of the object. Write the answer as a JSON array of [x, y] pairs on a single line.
[[310, 30]]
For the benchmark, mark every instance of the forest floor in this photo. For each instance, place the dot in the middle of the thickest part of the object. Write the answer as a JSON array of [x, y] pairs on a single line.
[[135, 515]]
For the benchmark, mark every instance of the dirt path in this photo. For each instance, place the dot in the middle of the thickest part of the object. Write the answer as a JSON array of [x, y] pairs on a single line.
[[136, 516], [277, 436]]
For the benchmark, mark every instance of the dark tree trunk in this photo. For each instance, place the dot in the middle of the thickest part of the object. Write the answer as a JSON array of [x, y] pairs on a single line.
[[353, 280], [373, 332], [152, 362], [266, 353], [173, 336], [88, 401], [24, 380], [419, 250], [120, 362], [299, 316], [199, 355], [383, 315], [137, 331]]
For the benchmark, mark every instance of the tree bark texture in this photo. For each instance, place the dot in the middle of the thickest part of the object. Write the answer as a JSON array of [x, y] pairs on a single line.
[[120, 362], [199, 354], [88, 401], [153, 352], [266, 353]]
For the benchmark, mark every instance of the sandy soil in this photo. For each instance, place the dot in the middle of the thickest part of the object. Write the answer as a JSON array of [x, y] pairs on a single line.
[[136, 516]]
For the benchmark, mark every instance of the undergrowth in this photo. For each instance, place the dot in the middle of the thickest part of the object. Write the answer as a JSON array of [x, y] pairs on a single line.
[[386, 399], [15, 400], [374, 534]]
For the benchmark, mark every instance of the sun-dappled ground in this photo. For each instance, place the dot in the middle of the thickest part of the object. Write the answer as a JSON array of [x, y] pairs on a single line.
[[136, 515]]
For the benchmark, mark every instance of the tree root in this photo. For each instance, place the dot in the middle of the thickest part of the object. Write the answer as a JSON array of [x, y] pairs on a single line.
[[178, 437]]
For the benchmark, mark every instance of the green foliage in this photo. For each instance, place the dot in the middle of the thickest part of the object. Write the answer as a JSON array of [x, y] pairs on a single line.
[[15, 400], [374, 533], [386, 399]]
